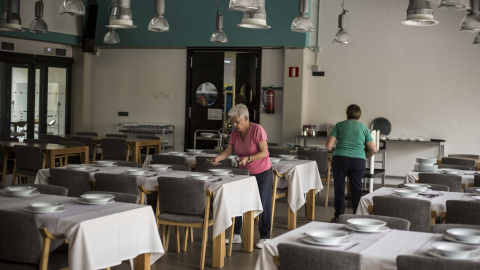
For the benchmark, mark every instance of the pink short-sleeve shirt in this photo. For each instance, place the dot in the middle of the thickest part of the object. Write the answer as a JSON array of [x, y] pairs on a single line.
[[249, 147]]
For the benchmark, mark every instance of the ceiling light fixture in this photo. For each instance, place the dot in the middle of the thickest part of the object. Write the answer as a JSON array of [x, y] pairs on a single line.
[[219, 36], [159, 23], [255, 18], [420, 13], [471, 23], [342, 36], [302, 22], [10, 18], [242, 5], [111, 37], [456, 5], [38, 25], [72, 7], [121, 15]]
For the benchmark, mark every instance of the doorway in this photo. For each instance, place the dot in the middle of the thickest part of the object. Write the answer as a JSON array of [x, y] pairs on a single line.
[[214, 78]]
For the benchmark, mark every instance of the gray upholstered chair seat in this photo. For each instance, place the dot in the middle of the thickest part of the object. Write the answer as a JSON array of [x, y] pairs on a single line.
[[49, 189], [181, 218], [117, 183], [428, 263], [392, 222], [185, 168], [442, 228]]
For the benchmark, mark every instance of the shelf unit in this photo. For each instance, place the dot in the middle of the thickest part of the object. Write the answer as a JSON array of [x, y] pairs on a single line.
[[162, 130]]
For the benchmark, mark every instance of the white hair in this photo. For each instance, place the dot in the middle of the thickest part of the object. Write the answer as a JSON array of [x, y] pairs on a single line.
[[239, 110]]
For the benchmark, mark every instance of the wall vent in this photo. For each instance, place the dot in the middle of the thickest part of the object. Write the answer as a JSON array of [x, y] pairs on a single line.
[[7, 46], [60, 52]]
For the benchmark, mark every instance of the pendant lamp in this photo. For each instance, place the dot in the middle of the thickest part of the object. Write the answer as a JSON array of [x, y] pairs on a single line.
[[302, 23], [111, 37], [342, 35], [419, 13], [38, 25], [255, 18], [471, 23], [159, 23], [242, 5], [219, 36], [121, 15], [72, 7], [10, 18], [456, 5]]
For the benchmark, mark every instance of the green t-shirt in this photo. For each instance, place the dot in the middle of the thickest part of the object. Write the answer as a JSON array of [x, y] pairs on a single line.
[[351, 137]]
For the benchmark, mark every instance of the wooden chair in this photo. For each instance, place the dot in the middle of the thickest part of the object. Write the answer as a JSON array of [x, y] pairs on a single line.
[[87, 141], [117, 183], [454, 182], [183, 202], [50, 138], [144, 151], [77, 182], [277, 193], [115, 149], [28, 161], [324, 165], [462, 212], [392, 222], [405, 262]]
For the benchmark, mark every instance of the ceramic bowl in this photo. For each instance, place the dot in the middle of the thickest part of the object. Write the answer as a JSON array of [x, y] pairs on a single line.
[[97, 197], [327, 236], [275, 160], [199, 176], [104, 162], [76, 167], [454, 250], [134, 172], [195, 151], [426, 161], [288, 157], [417, 187], [220, 171], [408, 193], [366, 224], [20, 190], [44, 206], [449, 171], [177, 153], [465, 235], [159, 167]]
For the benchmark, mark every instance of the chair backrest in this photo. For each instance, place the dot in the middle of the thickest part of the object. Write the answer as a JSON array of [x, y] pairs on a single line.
[[460, 161], [435, 187], [454, 182], [210, 151], [28, 157], [293, 257], [120, 197], [181, 196], [117, 183], [476, 180], [273, 152], [185, 168], [452, 166], [416, 211], [169, 159], [87, 133], [203, 163], [464, 155], [463, 212], [302, 157], [471, 189], [50, 138], [321, 157], [116, 135], [442, 228], [149, 137], [2, 186], [9, 139], [392, 222], [49, 189], [71, 143], [405, 262], [77, 182], [35, 141], [124, 163], [86, 142], [113, 148], [2, 155], [239, 171]]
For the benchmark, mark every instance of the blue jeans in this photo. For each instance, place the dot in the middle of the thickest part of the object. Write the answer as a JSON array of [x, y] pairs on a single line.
[[264, 182]]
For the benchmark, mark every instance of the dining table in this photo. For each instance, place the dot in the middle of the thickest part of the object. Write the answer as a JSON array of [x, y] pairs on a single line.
[[191, 159], [99, 236], [378, 250], [438, 203], [233, 195], [467, 176], [51, 151]]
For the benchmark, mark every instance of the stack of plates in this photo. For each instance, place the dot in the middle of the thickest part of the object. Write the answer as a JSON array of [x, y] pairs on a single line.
[[453, 251], [195, 151], [134, 172], [426, 164], [160, 167], [326, 237], [44, 207], [75, 167], [407, 193], [104, 163], [417, 187], [20, 191], [366, 225], [96, 198]]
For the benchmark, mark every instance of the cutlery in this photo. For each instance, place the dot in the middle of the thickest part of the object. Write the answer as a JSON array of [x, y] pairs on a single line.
[[96, 170], [219, 179], [356, 244]]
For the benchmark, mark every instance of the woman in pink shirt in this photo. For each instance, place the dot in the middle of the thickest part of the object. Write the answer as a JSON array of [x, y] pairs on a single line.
[[249, 140]]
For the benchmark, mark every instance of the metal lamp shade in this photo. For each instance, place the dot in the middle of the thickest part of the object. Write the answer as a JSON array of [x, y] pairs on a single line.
[[302, 23], [38, 25], [159, 23], [471, 23], [342, 37], [72, 7], [419, 13], [242, 5], [477, 39], [219, 36], [111, 37], [456, 5], [10, 18], [121, 16], [255, 18]]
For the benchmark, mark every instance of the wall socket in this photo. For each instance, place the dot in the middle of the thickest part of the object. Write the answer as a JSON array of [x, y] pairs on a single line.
[[164, 95]]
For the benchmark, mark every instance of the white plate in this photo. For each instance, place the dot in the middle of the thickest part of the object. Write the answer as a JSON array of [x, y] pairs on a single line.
[[436, 253], [167, 170], [453, 239], [344, 241], [134, 172], [87, 202], [44, 206], [35, 192], [382, 229], [20, 190], [287, 157], [30, 210]]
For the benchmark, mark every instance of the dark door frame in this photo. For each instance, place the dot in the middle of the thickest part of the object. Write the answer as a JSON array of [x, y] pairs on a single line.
[[190, 52]]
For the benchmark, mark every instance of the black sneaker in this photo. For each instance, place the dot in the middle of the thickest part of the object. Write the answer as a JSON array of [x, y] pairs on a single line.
[[334, 220]]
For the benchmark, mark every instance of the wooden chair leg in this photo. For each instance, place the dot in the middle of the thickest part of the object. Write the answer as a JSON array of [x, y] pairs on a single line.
[[191, 234], [167, 238], [230, 245], [327, 191], [273, 211], [204, 247], [185, 239], [45, 253], [177, 238]]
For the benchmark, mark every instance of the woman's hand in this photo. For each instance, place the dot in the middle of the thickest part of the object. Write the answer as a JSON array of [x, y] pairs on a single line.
[[243, 161], [215, 161]]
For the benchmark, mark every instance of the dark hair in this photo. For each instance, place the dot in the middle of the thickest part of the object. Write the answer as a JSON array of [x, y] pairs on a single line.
[[354, 112], [240, 99]]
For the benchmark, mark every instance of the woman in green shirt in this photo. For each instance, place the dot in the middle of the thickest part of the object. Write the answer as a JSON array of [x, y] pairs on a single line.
[[349, 157]]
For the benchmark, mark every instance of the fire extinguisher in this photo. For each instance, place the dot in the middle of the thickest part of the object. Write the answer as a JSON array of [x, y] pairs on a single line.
[[270, 105]]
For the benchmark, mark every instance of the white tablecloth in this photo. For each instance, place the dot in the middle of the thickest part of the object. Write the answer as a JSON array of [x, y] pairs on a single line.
[[467, 177], [438, 203], [99, 236], [190, 159], [378, 250], [43, 175], [300, 177]]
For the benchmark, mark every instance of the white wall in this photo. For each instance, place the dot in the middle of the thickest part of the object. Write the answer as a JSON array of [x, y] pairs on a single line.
[[423, 79], [128, 80]]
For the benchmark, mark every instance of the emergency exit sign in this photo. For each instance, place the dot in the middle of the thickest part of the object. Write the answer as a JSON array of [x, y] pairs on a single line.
[[293, 72]]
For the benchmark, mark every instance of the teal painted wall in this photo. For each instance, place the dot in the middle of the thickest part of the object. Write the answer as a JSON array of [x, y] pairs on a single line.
[[191, 24]]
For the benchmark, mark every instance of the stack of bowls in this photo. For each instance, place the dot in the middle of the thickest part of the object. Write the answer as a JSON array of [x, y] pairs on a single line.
[[76, 167], [96, 198], [407, 193], [366, 224], [207, 135], [134, 171], [467, 236], [195, 151], [417, 187], [220, 171], [44, 206], [327, 237], [159, 167], [426, 164], [287, 157], [199, 176], [454, 250]]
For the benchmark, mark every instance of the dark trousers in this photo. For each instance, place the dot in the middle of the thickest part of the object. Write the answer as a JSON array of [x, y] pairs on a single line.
[[354, 168], [264, 182]]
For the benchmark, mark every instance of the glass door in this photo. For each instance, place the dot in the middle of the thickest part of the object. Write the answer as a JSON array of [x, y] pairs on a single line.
[[18, 101]]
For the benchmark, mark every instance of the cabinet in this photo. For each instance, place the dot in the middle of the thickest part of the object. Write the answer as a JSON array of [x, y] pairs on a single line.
[[166, 132]]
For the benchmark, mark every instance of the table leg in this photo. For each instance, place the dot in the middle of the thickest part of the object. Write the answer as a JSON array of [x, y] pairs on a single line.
[[218, 256], [248, 229], [84, 158], [135, 152], [142, 262], [158, 148], [50, 159], [310, 205], [292, 219]]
